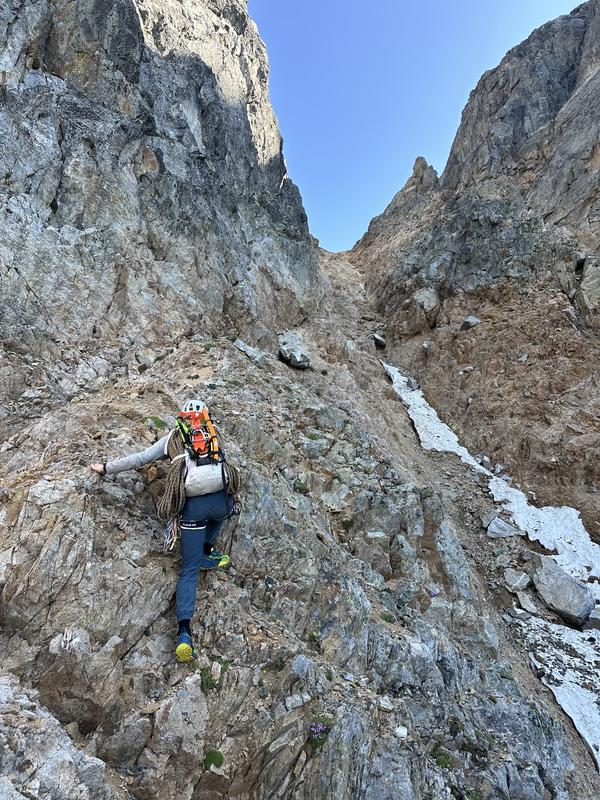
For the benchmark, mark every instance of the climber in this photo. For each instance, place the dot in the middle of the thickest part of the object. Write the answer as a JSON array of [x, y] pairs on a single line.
[[198, 498]]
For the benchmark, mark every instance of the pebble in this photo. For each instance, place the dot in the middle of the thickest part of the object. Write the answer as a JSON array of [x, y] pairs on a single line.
[[385, 703], [470, 322]]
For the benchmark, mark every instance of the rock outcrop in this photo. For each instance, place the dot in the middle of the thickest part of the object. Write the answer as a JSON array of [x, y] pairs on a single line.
[[519, 195], [152, 248]]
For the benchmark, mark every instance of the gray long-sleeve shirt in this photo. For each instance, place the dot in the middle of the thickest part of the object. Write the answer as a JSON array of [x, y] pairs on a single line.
[[155, 452]]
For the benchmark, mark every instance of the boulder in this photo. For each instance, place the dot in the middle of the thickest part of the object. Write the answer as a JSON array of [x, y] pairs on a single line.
[[526, 602], [499, 529], [593, 620], [516, 580], [571, 599], [423, 310], [293, 351]]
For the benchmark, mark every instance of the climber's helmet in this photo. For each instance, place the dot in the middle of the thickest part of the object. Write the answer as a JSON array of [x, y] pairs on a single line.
[[193, 405]]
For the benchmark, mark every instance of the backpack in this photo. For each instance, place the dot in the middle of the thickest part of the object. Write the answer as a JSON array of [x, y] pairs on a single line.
[[207, 469]]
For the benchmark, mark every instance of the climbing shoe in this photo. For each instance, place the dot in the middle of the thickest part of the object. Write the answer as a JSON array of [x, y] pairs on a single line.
[[185, 649], [215, 560]]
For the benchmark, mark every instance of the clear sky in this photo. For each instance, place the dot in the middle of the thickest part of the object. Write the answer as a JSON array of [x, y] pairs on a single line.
[[361, 89]]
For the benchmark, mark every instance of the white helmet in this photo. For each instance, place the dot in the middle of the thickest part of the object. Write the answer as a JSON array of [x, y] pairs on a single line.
[[193, 405]]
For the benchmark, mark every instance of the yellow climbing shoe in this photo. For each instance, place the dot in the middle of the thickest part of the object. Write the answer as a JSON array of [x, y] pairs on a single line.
[[215, 560], [185, 650]]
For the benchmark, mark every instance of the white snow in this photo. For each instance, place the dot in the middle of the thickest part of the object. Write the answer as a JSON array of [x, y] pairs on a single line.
[[433, 433], [568, 658], [557, 528]]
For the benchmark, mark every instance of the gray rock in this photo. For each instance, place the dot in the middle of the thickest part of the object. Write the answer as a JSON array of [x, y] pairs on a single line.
[[571, 600], [469, 322], [499, 529], [593, 621], [293, 351], [385, 703], [428, 300], [301, 665], [526, 602], [516, 580], [38, 756], [252, 352]]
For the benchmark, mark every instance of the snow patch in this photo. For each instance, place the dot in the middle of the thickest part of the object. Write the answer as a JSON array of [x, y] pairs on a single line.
[[557, 528], [433, 433], [567, 662]]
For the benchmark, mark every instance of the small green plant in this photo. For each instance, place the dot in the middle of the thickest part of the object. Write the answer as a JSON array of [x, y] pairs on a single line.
[[329, 673], [387, 617], [444, 761], [473, 794], [158, 423], [319, 730], [224, 667], [207, 682], [208, 346], [314, 437], [313, 636], [213, 758]]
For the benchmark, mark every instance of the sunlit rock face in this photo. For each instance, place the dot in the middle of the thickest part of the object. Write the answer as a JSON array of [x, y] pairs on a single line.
[[143, 192], [519, 195]]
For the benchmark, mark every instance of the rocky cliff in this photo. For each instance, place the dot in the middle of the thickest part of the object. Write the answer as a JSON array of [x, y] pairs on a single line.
[[360, 645], [509, 233], [144, 195]]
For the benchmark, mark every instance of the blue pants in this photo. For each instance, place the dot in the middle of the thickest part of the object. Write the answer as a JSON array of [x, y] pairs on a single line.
[[207, 512]]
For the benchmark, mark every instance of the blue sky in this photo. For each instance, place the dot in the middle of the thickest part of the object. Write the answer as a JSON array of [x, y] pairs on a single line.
[[361, 89]]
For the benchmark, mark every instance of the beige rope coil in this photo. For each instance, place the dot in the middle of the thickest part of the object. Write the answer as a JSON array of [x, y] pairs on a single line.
[[173, 498]]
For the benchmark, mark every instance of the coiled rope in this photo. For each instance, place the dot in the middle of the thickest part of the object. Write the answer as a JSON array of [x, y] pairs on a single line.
[[173, 499]]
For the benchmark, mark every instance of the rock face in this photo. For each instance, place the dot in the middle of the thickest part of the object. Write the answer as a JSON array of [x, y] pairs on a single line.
[[39, 758], [519, 195], [144, 194], [152, 247], [509, 232]]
